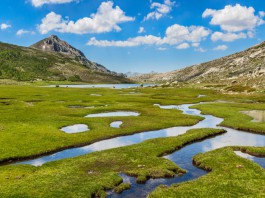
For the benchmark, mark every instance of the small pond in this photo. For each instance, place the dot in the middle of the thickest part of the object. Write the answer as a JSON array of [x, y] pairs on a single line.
[[115, 86], [201, 96], [80, 107], [113, 114], [257, 115], [77, 128], [167, 106], [116, 124], [95, 95]]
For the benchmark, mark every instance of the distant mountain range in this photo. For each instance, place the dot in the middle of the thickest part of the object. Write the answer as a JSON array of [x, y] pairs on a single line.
[[52, 59], [244, 68]]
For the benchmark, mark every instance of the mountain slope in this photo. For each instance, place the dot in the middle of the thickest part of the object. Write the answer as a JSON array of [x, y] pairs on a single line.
[[246, 68], [54, 44], [59, 61]]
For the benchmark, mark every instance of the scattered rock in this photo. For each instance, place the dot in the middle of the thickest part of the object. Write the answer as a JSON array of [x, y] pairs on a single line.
[[180, 174], [239, 166], [90, 172]]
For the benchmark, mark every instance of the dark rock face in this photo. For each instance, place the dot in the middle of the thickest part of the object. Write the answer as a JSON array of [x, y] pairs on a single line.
[[54, 44]]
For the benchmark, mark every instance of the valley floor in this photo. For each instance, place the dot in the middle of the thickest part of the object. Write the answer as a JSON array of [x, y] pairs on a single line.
[[31, 119]]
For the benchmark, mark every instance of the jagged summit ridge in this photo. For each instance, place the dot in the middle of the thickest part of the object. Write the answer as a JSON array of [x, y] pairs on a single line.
[[54, 44]]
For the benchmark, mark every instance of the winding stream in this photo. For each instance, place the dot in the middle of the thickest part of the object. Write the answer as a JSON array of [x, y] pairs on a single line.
[[209, 121], [182, 157]]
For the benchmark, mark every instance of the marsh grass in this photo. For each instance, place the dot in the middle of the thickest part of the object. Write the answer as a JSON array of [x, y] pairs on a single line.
[[31, 117], [92, 174]]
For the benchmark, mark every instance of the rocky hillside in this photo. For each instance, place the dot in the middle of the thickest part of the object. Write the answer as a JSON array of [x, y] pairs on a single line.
[[52, 59], [245, 68], [54, 44]]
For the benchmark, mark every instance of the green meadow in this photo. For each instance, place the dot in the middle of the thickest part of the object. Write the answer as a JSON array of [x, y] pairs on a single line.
[[31, 118]]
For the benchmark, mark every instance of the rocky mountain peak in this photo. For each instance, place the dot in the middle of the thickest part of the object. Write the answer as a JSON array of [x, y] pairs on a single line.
[[54, 37], [54, 44]]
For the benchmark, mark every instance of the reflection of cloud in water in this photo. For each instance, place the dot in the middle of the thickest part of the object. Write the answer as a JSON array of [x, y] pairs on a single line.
[[106, 144], [182, 157], [244, 155], [234, 138], [38, 162], [116, 124], [176, 131], [113, 114], [77, 128], [257, 115]]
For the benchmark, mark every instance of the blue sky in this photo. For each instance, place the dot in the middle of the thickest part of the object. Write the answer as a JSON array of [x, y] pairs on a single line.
[[138, 35]]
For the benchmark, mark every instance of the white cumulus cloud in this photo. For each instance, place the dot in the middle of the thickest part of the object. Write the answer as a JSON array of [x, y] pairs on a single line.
[[195, 44], [162, 49], [160, 9], [141, 30], [228, 37], [175, 35], [22, 31], [262, 14], [200, 49], [106, 19], [234, 18], [39, 3], [183, 46], [221, 48], [4, 26], [131, 42]]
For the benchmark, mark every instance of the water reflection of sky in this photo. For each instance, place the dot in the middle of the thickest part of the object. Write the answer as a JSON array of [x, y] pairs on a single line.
[[77, 128], [257, 115], [232, 137], [113, 114], [116, 124], [182, 157], [116, 86]]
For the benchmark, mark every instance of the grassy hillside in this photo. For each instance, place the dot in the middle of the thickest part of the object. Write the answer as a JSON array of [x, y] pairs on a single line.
[[27, 64]]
